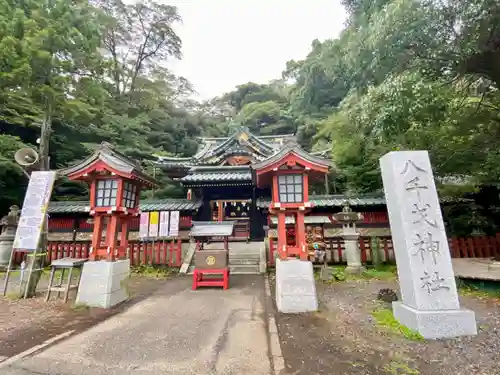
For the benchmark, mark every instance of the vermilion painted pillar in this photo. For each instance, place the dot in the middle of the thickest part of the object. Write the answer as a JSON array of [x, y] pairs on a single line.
[[300, 230], [111, 234], [124, 235], [96, 236], [281, 234]]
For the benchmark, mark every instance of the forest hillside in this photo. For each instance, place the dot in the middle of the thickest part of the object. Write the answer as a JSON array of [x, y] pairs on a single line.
[[403, 74]]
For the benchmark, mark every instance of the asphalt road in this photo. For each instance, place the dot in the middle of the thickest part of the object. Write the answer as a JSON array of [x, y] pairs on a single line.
[[175, 331]]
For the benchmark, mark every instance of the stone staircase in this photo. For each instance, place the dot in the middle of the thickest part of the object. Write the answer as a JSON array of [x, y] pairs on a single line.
[[244, 258]]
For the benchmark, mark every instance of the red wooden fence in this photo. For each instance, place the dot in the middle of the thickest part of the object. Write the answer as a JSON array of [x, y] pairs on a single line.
[[470, 247], [158, 253]]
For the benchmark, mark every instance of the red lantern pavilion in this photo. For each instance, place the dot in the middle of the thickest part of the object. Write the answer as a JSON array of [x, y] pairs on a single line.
[[115, 183], [289, 172]]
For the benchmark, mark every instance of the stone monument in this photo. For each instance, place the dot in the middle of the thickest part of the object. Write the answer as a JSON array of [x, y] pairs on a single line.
[[295, 286], [348, 219], [9, 225], [430, 302]]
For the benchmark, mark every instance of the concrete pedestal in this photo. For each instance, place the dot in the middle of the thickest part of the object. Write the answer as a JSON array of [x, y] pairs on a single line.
[[101, 283], [436, 324], [295, 286], [353, 254]]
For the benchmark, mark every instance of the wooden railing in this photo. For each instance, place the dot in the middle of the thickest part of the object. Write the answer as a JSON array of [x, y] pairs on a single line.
[[158, 253], [470, 247]]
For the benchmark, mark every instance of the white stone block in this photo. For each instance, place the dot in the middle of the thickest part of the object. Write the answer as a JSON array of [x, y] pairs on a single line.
[[420, 244], [102, 283], [436, 324], [295, 286]]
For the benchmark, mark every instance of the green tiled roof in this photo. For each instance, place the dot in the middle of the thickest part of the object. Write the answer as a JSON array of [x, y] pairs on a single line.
[[170, 205], [216, 174], [222, 176], [339, 200], [146, 205], [68, 206], [332, 201]]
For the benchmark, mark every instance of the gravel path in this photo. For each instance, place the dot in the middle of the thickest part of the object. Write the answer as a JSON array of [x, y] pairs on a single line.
[[343, 338]]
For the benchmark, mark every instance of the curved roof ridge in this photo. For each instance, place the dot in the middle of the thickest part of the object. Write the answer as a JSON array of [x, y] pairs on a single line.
[[292, 148], [115, 159]]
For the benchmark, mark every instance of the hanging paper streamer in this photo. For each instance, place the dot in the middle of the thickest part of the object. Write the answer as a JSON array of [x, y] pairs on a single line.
[[144, 225], [164, 222], [174, 224], [154, 218]]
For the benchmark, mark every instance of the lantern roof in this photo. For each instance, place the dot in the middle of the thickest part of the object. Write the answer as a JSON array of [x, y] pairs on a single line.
[[290, 157], [296, 152], [107, 158]]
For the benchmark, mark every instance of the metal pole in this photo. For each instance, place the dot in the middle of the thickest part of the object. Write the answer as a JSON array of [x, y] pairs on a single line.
[[154, 177], [44, 166]]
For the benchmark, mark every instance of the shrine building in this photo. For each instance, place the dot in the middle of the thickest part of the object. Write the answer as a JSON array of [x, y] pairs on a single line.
[[221, 184]]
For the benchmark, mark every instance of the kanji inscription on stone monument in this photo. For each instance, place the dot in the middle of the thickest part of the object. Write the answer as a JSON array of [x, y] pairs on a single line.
[[429, 294]]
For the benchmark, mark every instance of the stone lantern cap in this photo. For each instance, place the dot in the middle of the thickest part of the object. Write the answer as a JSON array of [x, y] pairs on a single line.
[[12, 218], [347, 215]]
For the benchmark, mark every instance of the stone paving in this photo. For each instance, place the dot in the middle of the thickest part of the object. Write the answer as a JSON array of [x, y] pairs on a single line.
[[175, 331], [476, 268]]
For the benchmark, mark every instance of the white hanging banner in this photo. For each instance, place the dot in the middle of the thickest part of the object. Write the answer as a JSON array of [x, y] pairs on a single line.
[[164, 223], [34, 212], [174, 224], [154, 218], [144, 225]]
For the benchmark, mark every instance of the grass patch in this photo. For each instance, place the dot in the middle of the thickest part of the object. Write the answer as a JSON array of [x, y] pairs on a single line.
[[154, 272], [13, 296], [385, 320], [12, 273], [482, 289], [80, 307], [400, 367], [45, 273], [383, 272]]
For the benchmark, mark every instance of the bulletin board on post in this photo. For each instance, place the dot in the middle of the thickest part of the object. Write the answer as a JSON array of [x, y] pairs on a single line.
[[32, 223]]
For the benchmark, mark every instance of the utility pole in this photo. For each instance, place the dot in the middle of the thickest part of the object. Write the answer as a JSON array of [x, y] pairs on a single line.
[[36, 261], [45, 136]]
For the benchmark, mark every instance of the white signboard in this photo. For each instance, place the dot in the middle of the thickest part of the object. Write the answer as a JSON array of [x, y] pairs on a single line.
[[34, 211], [174, 224], [164, 224], [144, 225]]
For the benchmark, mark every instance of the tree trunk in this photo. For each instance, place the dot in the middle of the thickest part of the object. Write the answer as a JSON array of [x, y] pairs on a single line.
[[33, 263]]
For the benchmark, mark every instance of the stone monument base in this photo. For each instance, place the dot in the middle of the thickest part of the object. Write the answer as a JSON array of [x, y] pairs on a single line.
[[295, 286], [436, 324], [101, 283]]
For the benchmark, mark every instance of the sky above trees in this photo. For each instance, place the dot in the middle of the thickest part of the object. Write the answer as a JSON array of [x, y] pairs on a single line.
[[227, 42]]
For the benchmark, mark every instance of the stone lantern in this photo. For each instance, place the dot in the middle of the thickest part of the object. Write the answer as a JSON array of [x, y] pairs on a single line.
[[9, 225], [115, 183], [348, 218], [289, 173]]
